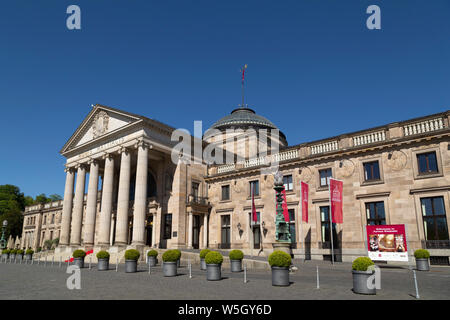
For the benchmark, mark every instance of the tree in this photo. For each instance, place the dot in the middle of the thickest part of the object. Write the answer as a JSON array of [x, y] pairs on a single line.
[[42, 198], [55, 197], [12, 204]]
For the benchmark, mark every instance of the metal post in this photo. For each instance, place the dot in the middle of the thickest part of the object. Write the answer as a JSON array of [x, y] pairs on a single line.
[[60, 260], [415, 284], [190, 270], [117, 263], [245, 273], [31, 259], [45, 260], [317, 272], [53, 260], [90, 261], [149, 269]]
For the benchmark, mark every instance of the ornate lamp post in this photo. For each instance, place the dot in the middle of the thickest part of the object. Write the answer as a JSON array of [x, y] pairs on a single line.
[[3, 240], [282, 233]]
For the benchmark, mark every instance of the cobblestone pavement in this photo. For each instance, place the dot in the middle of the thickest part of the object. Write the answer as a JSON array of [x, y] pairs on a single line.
[[25, 281]]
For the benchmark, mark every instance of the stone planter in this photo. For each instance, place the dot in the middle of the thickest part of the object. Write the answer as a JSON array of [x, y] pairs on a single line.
[[236, 265], [28, 257], [169, 269], [19, 257], [422, 265], [202, 264], [79, 262], [152, 261], [5, 256], [103, 264], [280, 276], [360, 279], [12, 256], [213, 272], [130, 266]]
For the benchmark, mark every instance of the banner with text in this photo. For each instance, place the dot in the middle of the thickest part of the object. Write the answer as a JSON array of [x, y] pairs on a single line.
[[336, 188], [304, 199], [387, 242]]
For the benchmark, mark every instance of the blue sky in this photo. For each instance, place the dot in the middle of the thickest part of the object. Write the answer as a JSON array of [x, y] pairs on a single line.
[[314, 69]]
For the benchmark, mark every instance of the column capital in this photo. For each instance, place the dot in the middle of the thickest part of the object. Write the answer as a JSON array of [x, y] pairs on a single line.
[[69, 169], [125, 150], [107, 156], [80, 166], [143, 144], [92, 161]]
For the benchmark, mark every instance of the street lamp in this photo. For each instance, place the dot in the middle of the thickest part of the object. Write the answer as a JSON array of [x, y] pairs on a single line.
[[3, 240]]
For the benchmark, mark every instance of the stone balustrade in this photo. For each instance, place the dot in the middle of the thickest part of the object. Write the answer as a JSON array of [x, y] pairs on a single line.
[[226, 168], [325, 147], [254, 162], [368, 138], [287, 155], [423, 127]]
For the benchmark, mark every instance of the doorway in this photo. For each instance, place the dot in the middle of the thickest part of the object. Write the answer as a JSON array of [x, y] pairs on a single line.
[[196, 232], [149, 230]]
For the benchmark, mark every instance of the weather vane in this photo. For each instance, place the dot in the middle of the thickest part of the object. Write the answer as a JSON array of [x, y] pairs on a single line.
[[243, 75]]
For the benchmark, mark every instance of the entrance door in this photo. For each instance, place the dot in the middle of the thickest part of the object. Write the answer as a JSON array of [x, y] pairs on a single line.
[[196, 231], [256, 237], [148, 230], [225, 234]]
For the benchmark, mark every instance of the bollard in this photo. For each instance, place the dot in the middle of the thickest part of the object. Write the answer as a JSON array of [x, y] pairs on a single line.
[[245, 273], [32, 260], [117, 263], [60, 260], [415, 285], [90, 261], [190, 270], [39, 259], [45, 263], [53, 260], [317, 272]]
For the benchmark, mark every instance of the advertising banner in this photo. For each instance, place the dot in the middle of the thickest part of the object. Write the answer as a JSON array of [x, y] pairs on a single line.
[[304, 199], [336, 187], [387, 242]]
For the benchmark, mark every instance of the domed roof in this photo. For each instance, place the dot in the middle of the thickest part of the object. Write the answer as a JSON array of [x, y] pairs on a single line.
[[243, 117]]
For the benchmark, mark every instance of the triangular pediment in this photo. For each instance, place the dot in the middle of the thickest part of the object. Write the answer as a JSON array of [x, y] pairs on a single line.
[[99, 122]]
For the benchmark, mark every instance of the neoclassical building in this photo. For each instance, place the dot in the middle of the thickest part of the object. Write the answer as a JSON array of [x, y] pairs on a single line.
[[123, 188]]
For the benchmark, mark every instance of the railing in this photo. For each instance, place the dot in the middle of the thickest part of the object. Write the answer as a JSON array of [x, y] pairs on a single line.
[[369, 138], [254, 162], [423, 126], [436, 244], [287, 155], [325, 147], [197, 200], [226, 168]]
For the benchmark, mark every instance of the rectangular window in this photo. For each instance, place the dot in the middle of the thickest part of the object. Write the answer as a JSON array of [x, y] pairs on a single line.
[[434, 218], [292, 225], [255, 185], [375, 213], [325, 226], [427, 163], [226, 192], [195, 187], [371, 171], [45, 219], [287, 181], [168, 226], [53, 218], [325, 175], [225, 232]]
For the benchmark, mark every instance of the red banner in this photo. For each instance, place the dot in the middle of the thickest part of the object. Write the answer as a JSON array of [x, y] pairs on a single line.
[[285, 207], [304, 199], [387, 242], [336, 188], [254, 216]]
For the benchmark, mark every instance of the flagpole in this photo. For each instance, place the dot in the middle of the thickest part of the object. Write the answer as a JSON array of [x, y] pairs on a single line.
[[301, 222], [331, 225]]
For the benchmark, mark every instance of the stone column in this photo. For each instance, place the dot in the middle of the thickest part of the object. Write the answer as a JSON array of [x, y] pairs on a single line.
[[91, 205], [190, 233], [155, 217], [107, 196], [140, 199], [205, 230], [123, 201], [67, 208], [77, 213]]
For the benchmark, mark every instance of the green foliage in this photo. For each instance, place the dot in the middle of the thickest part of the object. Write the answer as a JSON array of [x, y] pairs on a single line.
[[12, 204], [12, 251], [236, 255], [48, 244], [79, 254], [279, 259], [42, 199], [132, 254], [39, 249], [19, 251], [55, 197], [203, 253], [55, 242], [6, 251], [29, 251], [102, 254], [178, 252], [362, 263], [421, 254], [152, 253], [213, 257], [170, 256]]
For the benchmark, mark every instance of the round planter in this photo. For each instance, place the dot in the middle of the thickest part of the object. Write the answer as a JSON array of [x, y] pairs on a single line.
[[130, 266], [213, 272], [19, 257], [236, 265], [280, 276], [12, 256], [360, 279], [79, 262], [103, 264], [170, 269], [152, 261], [422, 265], [28, 256], [5, 256], [202, 264]]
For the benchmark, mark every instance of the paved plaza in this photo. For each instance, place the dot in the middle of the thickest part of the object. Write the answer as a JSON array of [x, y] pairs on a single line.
[[21, 281]]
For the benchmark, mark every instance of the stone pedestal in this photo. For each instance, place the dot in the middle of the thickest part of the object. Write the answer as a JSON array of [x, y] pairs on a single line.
[[282, 246]]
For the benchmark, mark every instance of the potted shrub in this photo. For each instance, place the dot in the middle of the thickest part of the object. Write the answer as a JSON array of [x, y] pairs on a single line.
[[361, 275], [19, 254], [178, 252], [203, 254], [152, 258], [29, 254], [280, 262], [103, 260], [39, 249], [12, 254], [422, 256], [5, 253], [170, 258], [236, 257], [213, 262], [131, 260], [78, 258]]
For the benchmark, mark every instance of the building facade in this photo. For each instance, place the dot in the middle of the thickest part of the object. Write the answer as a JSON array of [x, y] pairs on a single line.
[[137, 196]]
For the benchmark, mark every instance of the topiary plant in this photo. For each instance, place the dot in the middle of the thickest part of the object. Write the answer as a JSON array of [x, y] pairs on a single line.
[[39, 249], [203, 253], [79, 254], [132, 254], [19, 251], [12, 251], [421, 254], [213, 257], [6, 251], [178, 252], [362, 263], [236, 255], [279, 259], [29, 251], [170, 256], [152, 253], [102, 254]]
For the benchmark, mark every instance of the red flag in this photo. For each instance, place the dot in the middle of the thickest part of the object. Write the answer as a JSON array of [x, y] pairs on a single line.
[[304, 199], [336, 188], [284, 206], [254, 216], [89, 252]]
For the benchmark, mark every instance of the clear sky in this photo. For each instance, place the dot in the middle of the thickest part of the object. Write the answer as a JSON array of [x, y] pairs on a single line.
[[314, 69]]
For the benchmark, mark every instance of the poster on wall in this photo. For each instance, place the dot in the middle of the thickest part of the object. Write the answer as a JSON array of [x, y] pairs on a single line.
[[387, 242]]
